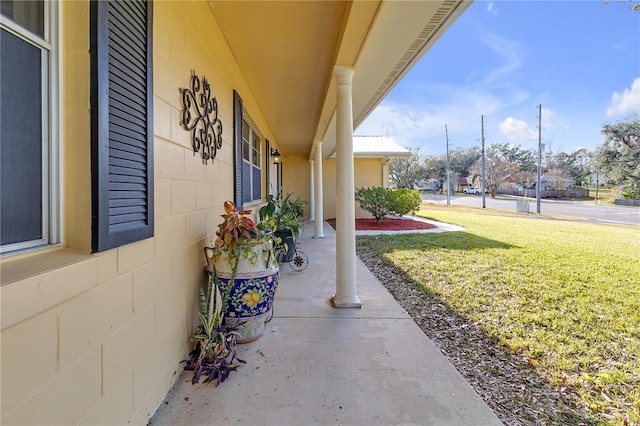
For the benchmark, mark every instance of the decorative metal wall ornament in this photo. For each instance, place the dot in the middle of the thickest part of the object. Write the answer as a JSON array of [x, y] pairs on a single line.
[[203, 123]]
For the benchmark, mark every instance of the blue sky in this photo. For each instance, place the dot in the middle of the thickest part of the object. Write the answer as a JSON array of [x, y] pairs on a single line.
[[580, 60]]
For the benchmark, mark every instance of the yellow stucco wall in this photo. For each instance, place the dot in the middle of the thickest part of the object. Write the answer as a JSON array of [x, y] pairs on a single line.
[[367, 173], [295, 178], [98, 338]]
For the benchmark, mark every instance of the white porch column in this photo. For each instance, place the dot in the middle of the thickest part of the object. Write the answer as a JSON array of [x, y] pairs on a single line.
[[317, 178], [346, 294], [312, 212]]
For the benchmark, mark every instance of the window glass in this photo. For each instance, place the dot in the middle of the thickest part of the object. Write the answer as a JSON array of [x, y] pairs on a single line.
[[251, 170], [21, 141], [256, 151], [246, 146], [29, 184], [246, 183], [256, 184], [245, 131], [27, 14]]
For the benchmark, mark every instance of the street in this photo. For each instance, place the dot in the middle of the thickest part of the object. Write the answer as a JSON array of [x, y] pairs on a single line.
[[594, 212]]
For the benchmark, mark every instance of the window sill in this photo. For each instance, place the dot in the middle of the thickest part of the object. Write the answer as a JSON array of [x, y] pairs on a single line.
[[32, 264]]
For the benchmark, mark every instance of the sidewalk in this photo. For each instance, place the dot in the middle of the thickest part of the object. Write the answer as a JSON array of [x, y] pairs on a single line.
[[316, 365]]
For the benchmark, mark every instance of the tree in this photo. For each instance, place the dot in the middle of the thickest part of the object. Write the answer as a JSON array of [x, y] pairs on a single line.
[[461, 160], [633, 5], [579, 166], [406, 172], [619, 157], [525, 160], [496, 172], [523, 163], [435, 169]]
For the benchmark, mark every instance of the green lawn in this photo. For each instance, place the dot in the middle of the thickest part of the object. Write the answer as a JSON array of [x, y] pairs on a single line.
[[562, 294], [604, 195]]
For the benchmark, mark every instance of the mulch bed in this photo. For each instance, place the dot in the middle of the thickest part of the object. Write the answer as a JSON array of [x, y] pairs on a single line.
[[387, 224], [516, 394]]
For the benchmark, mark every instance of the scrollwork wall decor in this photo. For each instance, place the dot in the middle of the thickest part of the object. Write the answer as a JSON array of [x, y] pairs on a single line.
[[200, 117]]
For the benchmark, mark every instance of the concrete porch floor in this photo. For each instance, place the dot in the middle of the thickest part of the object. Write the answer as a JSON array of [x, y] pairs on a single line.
[[317, 365]]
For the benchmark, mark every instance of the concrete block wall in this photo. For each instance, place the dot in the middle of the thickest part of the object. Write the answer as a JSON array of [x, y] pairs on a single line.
[[98, 338]]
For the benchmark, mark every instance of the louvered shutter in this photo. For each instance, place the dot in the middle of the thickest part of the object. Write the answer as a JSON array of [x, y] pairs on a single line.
[[121, 122], [237, 152], [267, 166]]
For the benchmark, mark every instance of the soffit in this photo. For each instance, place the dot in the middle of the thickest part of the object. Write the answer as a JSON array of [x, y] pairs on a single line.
[[287, 51], [402, 33]]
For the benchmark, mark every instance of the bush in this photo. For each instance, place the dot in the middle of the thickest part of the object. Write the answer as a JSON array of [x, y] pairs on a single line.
[[404, 201], [383, 201], [374, 200]]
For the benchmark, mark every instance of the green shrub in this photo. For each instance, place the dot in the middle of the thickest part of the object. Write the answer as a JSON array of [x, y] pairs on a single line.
[[374, 200], [403, 201], [383, 201]]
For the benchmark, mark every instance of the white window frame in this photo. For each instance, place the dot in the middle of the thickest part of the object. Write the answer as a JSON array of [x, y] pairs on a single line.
[[253, 168], [51, 115]]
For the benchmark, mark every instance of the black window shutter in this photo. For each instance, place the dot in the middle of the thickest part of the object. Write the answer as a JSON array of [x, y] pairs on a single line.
[[267, 160], [121, 122], [237, 152]]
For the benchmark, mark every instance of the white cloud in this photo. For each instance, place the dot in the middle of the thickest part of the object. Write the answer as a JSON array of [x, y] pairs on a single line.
[[419, 122], [618, 47], [625, 103], [548, 118], [509, 52], [492, 9], [517, 130]]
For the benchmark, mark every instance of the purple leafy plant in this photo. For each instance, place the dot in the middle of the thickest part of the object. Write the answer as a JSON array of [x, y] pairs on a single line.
[[214, 353]]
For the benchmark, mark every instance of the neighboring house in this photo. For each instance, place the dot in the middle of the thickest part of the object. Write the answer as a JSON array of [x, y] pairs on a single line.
[[371, 167], [461, 184], [596, 179], [107, 201]]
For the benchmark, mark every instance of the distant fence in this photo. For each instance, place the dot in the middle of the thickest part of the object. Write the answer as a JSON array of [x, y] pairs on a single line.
[[625, 202], [547, 193]]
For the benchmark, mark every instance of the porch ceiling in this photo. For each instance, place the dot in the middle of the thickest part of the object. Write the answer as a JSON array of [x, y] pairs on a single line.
[[288, 49]]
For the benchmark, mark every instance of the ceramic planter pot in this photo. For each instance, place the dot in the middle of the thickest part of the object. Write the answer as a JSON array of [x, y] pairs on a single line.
[[250, 295]]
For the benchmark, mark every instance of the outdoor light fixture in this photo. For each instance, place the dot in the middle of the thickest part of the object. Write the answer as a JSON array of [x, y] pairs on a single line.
[[276, 156]]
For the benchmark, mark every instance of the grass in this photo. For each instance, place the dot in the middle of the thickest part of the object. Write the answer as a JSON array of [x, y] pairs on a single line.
[[604, 195], [562, 295]]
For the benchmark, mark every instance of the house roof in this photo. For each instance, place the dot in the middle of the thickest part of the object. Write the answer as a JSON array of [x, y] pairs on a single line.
[[287, 52], [378, 146]]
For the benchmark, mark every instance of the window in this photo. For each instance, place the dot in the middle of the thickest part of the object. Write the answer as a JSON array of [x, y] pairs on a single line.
[[247, 157], [121, 122], [251, 161], [29, 183]]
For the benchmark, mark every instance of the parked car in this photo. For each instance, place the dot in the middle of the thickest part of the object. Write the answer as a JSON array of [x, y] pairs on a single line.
[[473, 190]]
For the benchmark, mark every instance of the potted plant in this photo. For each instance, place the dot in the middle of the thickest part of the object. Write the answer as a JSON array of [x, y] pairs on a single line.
[[214, 353], [288, 219], [243, 262]]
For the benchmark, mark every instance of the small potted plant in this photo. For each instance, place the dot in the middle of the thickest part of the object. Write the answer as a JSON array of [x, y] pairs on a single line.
[[214, 353], [243, 262], [288, 218]]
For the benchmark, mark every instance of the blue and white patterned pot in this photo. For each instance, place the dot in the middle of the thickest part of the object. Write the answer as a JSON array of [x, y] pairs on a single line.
[[252, 292]]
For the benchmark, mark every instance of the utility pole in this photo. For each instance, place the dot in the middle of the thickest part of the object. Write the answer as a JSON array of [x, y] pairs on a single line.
[[538, 183], [484, 203], [446, 134]]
